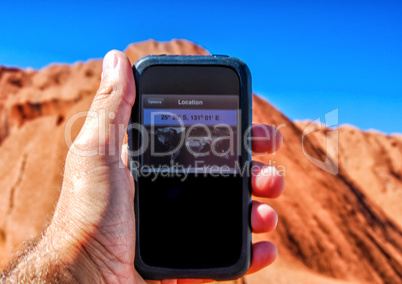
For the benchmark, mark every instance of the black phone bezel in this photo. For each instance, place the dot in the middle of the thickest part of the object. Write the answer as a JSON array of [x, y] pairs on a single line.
[[242, 265]]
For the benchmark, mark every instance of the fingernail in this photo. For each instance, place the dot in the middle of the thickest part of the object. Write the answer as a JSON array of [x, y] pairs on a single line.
[[268, 171], [265, 210], [109, 63]]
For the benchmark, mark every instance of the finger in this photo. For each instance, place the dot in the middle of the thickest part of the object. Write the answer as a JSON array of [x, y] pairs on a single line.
[[263, 218], [264, 253], [266, 181], [266, 139], [108, 117]]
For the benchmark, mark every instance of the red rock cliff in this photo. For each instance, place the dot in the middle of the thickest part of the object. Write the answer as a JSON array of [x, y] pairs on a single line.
[[332, 228]]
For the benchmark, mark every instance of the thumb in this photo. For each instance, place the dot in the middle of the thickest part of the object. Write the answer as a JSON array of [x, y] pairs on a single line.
[[106, 122]]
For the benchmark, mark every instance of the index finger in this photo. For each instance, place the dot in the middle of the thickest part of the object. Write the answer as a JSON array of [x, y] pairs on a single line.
[[266, 139]]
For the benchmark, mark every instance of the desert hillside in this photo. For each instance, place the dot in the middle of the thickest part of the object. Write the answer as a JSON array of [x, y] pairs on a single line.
[[342, 228], [372, 160]]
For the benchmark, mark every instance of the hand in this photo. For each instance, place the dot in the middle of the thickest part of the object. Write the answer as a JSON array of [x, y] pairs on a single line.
[[93, 228]]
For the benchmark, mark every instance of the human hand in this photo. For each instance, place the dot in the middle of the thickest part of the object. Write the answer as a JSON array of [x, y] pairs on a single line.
[[93, 228]]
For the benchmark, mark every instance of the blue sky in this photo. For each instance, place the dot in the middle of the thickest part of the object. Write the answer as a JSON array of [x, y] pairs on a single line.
[[306, 57]]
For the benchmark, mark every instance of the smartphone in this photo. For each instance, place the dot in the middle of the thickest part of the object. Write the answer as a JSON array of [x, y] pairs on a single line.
[[189, 143]]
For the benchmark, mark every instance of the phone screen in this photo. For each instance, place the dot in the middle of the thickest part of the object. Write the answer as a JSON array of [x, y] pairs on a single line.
[[190, 190], [191, 133]]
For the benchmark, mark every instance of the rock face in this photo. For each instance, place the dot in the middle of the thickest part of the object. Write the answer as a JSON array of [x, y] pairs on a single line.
[[330, 224], [372, 161], [332, 228]]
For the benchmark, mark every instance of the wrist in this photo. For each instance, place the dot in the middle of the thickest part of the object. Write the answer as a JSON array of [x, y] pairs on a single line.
[[71, 256], [38, 262]]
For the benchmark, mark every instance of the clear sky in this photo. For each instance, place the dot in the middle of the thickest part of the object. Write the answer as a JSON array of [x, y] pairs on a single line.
[[306, 57]]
